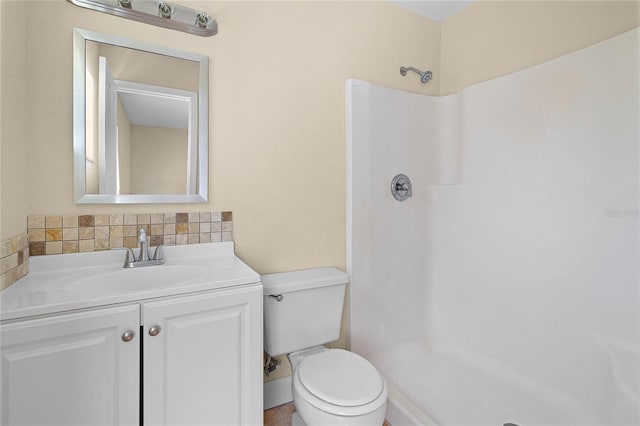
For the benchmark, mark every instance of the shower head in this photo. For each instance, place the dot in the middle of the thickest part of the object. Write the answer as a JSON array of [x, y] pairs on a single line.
[[425, 76]]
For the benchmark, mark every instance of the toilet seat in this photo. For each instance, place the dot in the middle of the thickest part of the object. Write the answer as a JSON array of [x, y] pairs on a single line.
[[340, 378], [340, 382]]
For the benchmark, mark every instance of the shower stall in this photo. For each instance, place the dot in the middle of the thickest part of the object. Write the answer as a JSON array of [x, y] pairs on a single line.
[[506, 289]]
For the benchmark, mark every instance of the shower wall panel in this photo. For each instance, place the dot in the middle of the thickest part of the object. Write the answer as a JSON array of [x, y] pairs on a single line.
[[535, 257], [527, 267], [391, 134]]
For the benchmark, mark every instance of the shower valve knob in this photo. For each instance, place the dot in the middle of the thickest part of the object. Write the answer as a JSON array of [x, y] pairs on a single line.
[[401, 187]]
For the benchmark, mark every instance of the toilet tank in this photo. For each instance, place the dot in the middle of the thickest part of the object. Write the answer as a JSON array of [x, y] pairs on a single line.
[[302, 309]]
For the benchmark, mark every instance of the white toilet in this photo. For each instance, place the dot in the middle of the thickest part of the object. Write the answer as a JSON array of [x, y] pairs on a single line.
[[331, 387]]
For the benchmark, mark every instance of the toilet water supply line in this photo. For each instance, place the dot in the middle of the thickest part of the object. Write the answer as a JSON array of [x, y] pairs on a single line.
[[270, 364], [425, 76]]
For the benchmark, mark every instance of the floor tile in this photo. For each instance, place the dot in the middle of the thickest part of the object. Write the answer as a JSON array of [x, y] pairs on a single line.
[[281, 415]]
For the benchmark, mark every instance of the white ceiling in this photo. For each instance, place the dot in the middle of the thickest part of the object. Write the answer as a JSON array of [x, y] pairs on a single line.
[[155, 111], [438, 10]]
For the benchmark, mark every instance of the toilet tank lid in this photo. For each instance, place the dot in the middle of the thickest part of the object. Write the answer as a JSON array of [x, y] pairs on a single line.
[[284, 282]]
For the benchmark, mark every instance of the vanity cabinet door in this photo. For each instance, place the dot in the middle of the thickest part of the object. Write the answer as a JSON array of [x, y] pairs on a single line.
[[203, 359], [72, 369]]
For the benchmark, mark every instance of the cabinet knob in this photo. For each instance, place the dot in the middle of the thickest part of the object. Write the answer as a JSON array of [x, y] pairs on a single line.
[[127, 336], [154, 330]]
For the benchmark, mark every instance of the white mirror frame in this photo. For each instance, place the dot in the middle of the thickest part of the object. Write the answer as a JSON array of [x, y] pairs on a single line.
[[80, 36]]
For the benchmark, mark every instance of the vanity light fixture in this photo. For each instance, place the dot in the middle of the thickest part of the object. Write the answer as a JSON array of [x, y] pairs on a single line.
[[156, 12]]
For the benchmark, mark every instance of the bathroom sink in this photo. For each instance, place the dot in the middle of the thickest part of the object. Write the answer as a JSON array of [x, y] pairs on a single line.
[[67, 282], [133, 279]]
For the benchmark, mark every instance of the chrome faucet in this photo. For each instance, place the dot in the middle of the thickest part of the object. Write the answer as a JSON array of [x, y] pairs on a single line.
[[143, 259], [143, 255]]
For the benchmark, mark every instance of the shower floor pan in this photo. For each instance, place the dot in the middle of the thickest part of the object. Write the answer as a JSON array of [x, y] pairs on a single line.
[[430, 388]]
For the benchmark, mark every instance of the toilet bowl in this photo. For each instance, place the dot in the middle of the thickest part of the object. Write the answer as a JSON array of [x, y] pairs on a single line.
[[330, 387], [334, 387]]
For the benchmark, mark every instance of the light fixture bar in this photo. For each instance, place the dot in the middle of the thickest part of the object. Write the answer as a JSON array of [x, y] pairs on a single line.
[[156, 12]]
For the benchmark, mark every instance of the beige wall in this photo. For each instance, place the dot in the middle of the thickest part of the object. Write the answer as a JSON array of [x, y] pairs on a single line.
[[149, 68], [277, 99], [277, 112], [158, 160], [284, 65], [14, 201], [494, 38]]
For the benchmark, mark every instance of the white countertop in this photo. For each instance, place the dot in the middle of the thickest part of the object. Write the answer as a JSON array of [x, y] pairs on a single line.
[[64, 282]]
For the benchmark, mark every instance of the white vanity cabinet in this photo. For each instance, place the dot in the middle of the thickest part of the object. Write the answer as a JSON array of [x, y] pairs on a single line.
[[84, 341], [71, 369], [200, 356]]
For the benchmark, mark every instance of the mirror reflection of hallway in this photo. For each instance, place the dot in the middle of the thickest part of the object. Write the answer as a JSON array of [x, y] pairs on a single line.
[[146, 143]]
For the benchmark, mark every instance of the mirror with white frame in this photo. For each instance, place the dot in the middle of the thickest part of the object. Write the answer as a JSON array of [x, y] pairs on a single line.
[[140, 122]]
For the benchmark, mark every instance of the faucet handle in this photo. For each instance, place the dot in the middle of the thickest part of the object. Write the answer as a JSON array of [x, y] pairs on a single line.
[[158, 254], [130, 257], [143, 254]]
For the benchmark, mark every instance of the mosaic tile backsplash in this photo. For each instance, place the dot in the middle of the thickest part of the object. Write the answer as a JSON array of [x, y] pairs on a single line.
[[14, 260], [83, 233]]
